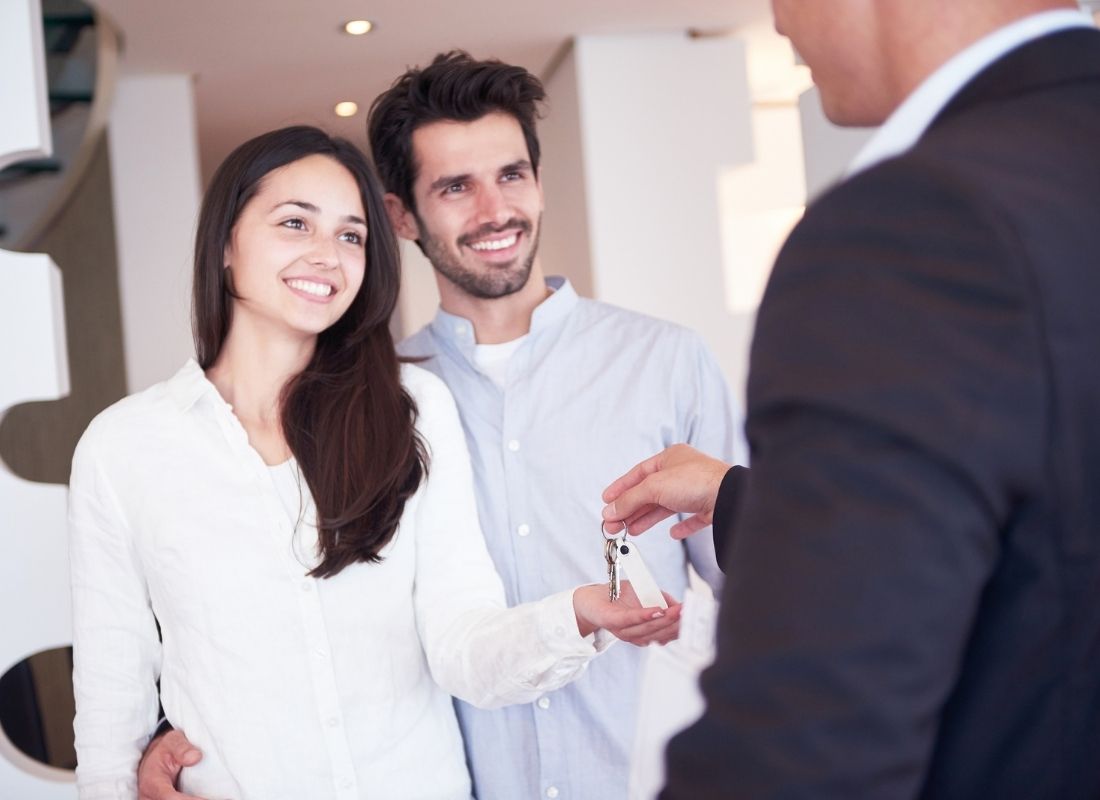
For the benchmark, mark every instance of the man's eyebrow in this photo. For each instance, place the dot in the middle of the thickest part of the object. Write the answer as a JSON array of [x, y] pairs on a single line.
[[515, 166], [310, 207], [447, 180]]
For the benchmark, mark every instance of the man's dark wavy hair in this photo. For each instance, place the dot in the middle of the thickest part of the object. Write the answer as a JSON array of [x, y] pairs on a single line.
[[454, 87]]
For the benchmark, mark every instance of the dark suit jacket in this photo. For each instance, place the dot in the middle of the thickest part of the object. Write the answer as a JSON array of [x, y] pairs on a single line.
[[913, 597]]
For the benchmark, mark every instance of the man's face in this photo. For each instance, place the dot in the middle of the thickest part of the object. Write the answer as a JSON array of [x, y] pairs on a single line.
[[839, 40], [478, 204]]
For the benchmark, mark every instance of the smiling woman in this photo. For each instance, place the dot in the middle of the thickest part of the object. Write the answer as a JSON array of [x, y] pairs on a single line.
[[268, 510]]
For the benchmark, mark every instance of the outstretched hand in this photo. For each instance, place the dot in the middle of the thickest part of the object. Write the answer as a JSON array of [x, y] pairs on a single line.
[[160, 767], [625, 618], [678, 480]]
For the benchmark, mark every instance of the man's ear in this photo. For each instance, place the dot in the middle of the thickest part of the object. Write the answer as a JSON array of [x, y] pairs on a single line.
[[402, 220]]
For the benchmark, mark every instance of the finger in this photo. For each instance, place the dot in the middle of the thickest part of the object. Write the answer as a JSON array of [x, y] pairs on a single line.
[[689, 527], [169, 793], [672, 635], [641, 499], [642, 620], [628, 525], [159, 770], [179, 748], [163, 789], [636, 475], [653, 630], [646, 519]]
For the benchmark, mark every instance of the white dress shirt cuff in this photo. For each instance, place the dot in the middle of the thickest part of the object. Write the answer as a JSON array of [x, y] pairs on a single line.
[[558, 622]]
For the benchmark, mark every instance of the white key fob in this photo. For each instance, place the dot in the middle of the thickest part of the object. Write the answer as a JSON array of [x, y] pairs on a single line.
[[634, 569]]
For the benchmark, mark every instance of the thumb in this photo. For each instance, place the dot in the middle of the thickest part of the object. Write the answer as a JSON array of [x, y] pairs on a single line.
[[190, 757], [181, 750]]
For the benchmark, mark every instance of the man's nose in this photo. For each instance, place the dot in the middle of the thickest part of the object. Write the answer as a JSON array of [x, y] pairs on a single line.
[[493, 206]]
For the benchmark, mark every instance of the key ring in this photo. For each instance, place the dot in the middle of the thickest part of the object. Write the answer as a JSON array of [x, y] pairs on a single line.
[[614, 537]]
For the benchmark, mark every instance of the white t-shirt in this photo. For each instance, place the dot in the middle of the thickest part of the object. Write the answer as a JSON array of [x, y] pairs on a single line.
[[493, 358]]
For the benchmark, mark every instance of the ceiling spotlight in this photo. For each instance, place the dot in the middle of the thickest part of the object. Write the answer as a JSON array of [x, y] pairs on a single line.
[[357, 27], [346, 109]]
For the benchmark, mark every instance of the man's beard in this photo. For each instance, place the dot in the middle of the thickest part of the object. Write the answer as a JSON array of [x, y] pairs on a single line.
[[497, 280]]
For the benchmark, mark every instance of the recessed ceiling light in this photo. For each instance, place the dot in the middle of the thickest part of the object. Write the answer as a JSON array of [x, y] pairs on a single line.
[[357, 27], [346, 109]]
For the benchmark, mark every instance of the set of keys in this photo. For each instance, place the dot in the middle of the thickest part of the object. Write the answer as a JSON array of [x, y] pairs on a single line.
[[624, 558]]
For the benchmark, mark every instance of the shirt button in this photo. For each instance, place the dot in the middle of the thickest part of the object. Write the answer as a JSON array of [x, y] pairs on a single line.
[[524, 529], [306, 586], [333, 722], [513, 445], [460, 328], [345, 783], [552, 792], [560, 631], [543, 703], [320, 653]]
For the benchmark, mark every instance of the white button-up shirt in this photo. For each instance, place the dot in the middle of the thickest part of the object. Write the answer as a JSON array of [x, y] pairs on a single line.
[[293, 687]]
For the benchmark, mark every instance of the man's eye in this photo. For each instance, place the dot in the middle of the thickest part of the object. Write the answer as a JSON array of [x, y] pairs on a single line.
[[512, 176], [454, 188]]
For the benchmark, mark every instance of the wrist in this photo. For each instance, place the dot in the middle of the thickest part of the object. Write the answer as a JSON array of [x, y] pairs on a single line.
[[581, 596]]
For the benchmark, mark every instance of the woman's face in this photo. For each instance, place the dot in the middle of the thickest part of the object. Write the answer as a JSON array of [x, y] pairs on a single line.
[[298, 251]]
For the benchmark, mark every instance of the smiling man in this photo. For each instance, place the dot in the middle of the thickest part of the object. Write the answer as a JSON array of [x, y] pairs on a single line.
[[555, 392]]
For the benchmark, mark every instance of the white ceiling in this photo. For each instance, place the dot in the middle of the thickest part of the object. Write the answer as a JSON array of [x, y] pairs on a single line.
[[262, 64]]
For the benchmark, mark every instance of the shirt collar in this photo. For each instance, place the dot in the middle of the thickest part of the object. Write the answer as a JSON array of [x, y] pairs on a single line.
[[188, 385], [913, 117], [562, 300]]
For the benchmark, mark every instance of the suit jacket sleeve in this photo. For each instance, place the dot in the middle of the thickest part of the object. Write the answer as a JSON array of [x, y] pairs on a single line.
[[726, 507], [895, 392]]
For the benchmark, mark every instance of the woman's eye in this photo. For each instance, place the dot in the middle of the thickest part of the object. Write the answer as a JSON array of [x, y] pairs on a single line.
[[296, 223], [353, 237]]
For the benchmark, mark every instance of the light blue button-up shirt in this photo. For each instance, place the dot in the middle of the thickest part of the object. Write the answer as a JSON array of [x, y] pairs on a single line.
[[593, 390]]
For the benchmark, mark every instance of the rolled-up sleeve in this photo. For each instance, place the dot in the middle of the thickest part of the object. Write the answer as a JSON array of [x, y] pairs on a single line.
[[477, 649]]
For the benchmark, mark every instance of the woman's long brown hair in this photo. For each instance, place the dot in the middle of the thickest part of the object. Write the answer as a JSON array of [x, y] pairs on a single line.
[[346, 417]]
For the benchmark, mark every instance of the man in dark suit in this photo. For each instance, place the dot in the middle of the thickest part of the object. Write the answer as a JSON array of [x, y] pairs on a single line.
[[913, 598]]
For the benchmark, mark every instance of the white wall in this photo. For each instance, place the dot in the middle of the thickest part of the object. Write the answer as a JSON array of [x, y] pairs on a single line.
[[565, 234], [828, 149], [660, 117], [155, 182], [419, 298]]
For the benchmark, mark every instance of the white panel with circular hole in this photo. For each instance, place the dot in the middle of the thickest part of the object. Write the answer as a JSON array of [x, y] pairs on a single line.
[[34, 590]]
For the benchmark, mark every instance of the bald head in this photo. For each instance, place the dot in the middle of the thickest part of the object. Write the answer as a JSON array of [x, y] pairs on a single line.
[[868, 55]]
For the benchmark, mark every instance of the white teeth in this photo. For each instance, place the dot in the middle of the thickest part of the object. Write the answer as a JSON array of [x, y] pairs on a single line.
[[309, 287], [499, 244]]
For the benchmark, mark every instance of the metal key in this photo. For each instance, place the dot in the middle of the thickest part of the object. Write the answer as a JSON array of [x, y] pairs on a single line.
[[611, 553]]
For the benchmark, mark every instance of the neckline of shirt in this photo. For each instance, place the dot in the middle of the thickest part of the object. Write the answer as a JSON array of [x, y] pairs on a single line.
[[562, 299], [915, 115]]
